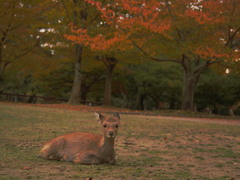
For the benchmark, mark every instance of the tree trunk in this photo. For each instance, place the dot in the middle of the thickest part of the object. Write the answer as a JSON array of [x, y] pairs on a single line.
[[189, 83], [108, 86], [110, 63], [188, 93], [140, 98], [84, 89], [1, 80], [79, 17], [76, 88]]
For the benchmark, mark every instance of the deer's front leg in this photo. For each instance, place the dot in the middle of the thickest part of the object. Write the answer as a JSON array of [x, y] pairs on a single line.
[[111, 159], [87, 158]]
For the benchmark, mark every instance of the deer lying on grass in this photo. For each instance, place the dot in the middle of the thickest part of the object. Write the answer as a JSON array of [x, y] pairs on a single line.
[[85, 148]]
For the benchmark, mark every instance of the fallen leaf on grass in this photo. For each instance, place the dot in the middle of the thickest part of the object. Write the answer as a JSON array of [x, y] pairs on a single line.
[[26, 168]]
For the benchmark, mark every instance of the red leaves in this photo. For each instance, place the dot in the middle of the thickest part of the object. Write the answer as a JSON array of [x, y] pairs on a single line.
[[98, 42], [202, 17], [198, 16], [130, 20], [145, 14], [107, 14], [207, 52], [136, 14], [126, 17]]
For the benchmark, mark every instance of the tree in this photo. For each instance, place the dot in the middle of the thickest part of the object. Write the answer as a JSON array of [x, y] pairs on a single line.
[[109, 63], [17, 35], [55, 23], [194, 34], [219, 92], [89, 79], [79, 17], [101, 47], [155, 84], [73, 11]]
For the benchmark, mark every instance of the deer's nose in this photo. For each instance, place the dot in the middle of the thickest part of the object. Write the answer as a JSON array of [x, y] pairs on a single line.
[[111, 133]]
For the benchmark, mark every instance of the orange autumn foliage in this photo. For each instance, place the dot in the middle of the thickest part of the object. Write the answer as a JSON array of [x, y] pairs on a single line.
[[210, 53], [131, 18], [136, 18], [98, 42]]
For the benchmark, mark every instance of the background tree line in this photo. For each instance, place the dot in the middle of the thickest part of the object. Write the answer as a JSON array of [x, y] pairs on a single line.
[[148, 55]]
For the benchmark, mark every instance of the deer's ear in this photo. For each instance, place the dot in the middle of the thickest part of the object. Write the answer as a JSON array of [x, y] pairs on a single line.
[[116, 115], [99, 117]]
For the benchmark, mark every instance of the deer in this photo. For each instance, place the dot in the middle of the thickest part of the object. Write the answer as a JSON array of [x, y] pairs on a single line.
[[85, 148]]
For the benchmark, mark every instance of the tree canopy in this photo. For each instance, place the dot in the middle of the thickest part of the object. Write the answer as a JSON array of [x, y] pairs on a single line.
[[194, 34], [146, 54]]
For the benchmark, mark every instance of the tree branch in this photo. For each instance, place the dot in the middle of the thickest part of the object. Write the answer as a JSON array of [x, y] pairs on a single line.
[[228, 66], [24, 52], [183, 62], [179, 33], [162, 60], [152, 57], [66, 9], [231, 37], [205, 65]]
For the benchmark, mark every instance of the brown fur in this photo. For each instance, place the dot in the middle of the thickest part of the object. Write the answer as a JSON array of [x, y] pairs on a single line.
[[85, 148]]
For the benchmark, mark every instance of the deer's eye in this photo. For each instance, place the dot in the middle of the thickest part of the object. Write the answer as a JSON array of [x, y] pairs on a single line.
[[117, 126], [104, 125]]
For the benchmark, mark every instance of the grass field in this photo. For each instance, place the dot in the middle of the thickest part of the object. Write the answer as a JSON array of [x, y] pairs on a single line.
[[147, 147]]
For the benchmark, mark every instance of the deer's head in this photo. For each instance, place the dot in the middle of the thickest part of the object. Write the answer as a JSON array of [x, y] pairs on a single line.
[[110, 124]]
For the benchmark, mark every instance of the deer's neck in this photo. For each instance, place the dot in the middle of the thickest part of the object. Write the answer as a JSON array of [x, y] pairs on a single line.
[[107, 143], [106, 151]]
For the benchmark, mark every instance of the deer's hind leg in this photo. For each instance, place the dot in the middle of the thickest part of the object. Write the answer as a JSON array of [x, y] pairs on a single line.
[[87, 158], [54, 150]]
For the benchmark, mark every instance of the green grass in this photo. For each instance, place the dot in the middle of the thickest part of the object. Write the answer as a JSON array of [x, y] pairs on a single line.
[[147, 147]]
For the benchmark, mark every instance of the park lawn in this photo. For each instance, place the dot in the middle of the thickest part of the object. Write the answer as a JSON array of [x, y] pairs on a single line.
[[147, 147]]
